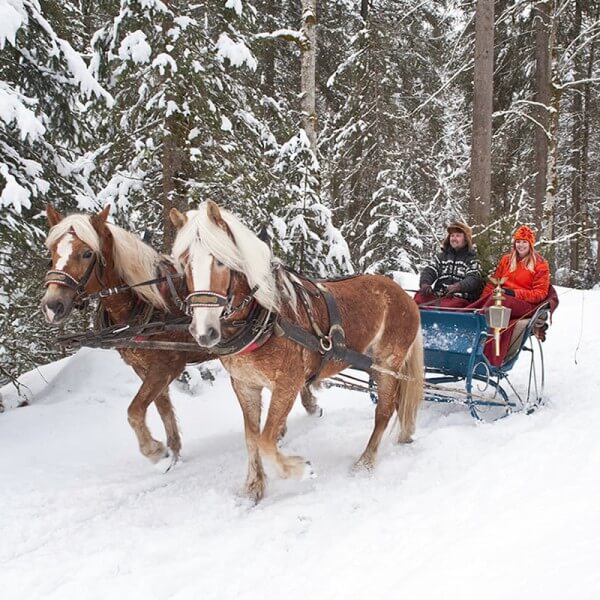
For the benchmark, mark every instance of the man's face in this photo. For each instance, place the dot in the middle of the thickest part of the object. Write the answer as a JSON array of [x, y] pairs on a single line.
[[457, 240]]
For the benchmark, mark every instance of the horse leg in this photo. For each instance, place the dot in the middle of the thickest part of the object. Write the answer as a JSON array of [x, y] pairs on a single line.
[[249, 398], [152, 387], [295, 467], [386, 404], [310, 402], [167, 414], [311, 407]]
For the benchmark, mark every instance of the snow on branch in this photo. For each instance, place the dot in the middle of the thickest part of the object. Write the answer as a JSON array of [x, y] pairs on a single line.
[[287, 35], [235, 5], [11, 20], [236, 52], [13, 108]]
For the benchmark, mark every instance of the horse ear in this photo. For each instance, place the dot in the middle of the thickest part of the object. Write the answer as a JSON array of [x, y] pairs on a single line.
[[177, 218], [103, 214], [263, 236], [98, 222], [214, 214], [54, 217]]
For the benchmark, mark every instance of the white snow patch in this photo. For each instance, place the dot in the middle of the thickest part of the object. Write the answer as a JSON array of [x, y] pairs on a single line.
[[12, 17], [135, 47], [13, 108], [494, 511], [226, 124], [236, 52], [235, 5], [13, 195]]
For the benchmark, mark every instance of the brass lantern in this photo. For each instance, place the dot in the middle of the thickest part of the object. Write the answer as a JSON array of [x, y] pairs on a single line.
[[497, 315]]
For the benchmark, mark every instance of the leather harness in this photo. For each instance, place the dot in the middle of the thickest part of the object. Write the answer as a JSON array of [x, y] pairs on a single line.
[[251, 333], [331, 346]]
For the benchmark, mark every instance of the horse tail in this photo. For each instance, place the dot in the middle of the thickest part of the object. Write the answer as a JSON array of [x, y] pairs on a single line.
[[409, 394]]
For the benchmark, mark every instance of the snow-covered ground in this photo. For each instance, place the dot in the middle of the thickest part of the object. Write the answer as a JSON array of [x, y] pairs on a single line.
[[507, 510]]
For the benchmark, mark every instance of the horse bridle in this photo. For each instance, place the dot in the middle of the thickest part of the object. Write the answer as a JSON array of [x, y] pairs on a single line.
[[64, 279], [208, 299]]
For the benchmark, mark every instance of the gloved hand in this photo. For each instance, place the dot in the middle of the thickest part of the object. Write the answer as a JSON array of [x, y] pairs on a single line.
[[508, 291], [426, 289], [453, 288]]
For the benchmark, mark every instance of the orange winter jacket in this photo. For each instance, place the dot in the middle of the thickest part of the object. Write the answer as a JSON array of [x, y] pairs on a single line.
[[529, 286]]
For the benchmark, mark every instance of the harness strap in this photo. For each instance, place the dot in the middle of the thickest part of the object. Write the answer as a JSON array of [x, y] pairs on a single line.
[[298, 335], [174, 295], [254, 331], [105, 293], [333, 345]]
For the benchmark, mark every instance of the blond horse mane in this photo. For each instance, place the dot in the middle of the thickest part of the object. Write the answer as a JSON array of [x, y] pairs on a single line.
[[134, 260], [245, 253]]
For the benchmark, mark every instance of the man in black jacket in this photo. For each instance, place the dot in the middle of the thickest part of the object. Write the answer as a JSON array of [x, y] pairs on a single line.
[[453, 278]]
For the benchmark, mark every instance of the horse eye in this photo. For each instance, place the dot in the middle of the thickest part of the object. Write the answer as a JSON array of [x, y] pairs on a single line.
[[218, 262], [87, 254]]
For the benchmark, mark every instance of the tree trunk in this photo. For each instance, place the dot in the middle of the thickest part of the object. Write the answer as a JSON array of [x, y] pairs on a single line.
[[549, 214], [364, 8], [481, 147], [576, 225], [542, 96], [308, 69], [173, 161], [272, 9], [591, 272]]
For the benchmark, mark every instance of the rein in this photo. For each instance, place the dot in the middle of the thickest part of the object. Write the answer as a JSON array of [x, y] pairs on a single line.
[[64, 279]]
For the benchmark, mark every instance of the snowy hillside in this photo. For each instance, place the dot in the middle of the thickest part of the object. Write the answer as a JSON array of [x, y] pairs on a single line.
[[495, 511]]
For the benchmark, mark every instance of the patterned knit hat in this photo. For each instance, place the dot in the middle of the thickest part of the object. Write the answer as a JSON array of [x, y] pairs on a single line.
[[524, 233]]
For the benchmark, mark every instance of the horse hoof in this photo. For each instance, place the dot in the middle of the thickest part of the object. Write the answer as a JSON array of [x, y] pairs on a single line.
[[167, 462], [314, 411], [362, 465], [405, 439], [253, 493]]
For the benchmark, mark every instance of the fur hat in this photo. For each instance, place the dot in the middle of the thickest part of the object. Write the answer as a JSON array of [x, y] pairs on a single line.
[[524, 233], [461, 228]]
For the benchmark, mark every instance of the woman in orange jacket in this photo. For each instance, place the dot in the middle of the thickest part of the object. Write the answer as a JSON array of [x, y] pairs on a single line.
[[527, 284], [526, 272]]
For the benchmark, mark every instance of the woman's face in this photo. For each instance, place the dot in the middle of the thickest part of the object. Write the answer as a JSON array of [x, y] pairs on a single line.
[[522, 247]]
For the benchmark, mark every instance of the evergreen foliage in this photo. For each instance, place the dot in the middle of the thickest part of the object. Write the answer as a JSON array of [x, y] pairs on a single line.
[[148, 104], [43, 82]]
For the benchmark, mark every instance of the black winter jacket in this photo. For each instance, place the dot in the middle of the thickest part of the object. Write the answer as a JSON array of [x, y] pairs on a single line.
[[451, 267]]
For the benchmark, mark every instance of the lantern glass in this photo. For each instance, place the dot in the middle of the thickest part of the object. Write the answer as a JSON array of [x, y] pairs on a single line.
[[498, 317]]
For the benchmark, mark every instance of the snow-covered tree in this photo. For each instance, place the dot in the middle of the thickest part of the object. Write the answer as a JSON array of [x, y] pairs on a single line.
[[43, 84], [183, 128]]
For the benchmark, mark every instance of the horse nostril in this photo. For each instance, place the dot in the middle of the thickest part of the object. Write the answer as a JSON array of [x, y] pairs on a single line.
[[58, 308], [209, 339]]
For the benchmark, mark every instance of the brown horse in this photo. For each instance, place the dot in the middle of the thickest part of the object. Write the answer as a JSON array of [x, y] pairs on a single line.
[[226, 264], [89, 252]]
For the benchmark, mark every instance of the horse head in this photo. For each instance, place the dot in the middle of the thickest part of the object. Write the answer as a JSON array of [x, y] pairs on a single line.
[[77, 257], [224, 263]]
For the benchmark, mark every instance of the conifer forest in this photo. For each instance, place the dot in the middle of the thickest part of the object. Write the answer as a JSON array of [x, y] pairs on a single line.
[[351, 131]]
